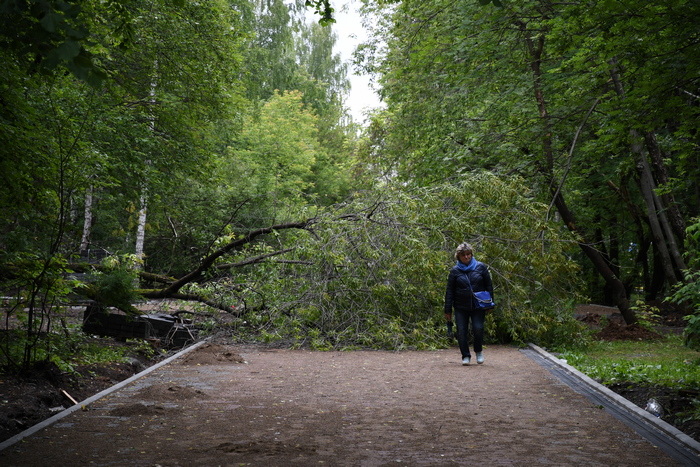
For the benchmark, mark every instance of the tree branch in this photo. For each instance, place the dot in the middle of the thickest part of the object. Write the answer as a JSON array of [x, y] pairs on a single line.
[[157, 294], [208, 261], [571, 153], [255, 259]]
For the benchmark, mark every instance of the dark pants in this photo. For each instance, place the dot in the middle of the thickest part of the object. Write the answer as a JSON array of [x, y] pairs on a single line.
[[462, 319]]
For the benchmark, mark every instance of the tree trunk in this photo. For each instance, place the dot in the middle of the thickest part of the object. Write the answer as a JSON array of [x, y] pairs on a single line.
[[208, 261], [657, 277], [646, 185], [657, 162], [87, 224], [643, 242], [675, 252], [661, 227], [172, 286], [664, 207], [615, 285], [141, 228], [664, 241]]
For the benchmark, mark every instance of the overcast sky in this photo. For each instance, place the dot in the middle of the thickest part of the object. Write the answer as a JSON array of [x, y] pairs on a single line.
[[350, 33]]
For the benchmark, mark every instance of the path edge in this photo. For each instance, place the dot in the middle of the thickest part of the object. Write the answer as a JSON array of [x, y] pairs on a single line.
[[80, 405], [609, 394]]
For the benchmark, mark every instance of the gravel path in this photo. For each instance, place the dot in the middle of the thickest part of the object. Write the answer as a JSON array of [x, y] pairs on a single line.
[[236, 406]]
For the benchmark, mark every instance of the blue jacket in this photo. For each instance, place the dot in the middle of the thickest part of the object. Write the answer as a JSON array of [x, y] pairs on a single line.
[[458, 294]]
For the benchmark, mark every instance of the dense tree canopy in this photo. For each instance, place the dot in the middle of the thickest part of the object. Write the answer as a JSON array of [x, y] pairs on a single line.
[[207, 149], [592, 101], [136, 150]]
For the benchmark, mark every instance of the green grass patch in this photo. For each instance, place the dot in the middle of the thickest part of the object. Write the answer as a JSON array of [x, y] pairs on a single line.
[[665, 362]]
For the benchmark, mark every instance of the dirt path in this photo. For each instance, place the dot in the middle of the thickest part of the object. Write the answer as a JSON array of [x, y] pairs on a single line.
[[248, 406]]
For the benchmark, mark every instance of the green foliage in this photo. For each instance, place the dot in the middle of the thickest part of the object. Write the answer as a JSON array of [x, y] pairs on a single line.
[[648, 316], [37, 289], [69, 349], [38, 292], [35, 313], [115, 287], [527, 88], [688, 292], [288, 53], [664, 363], [323, 9], [276, 151], [224, 116], [76, 349], [47, 36], [374, 271]]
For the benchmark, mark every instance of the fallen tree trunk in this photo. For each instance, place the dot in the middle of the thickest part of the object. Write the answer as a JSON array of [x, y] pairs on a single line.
[[173, 285]]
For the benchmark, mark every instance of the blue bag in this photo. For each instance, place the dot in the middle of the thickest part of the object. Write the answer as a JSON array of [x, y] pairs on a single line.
[[481, 299]]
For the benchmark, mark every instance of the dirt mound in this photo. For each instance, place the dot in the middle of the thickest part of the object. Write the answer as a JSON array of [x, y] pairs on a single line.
[[212, 354], [170, 392], [138, 410], [609, 325], [623, 332]]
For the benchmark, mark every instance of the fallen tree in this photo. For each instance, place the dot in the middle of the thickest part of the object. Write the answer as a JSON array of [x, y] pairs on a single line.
[[172, 286]]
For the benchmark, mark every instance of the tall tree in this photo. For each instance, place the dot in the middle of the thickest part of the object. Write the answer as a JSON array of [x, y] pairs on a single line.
[[64, 137], [176, 83], [277, 151]]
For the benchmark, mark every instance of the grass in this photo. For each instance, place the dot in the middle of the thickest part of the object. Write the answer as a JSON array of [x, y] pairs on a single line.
[[665, 362]]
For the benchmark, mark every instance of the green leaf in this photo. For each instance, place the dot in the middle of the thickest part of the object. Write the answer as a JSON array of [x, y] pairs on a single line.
[[68, 50], [51, 21]]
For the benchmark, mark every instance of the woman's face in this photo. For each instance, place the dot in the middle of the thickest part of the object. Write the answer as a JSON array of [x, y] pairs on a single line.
[[465, 257]]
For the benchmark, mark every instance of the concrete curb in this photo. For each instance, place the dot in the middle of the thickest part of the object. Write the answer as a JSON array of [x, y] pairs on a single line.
[[79, 406], [615, 398]]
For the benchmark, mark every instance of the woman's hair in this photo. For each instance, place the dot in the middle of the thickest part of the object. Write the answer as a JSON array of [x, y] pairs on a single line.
[[463, 248]]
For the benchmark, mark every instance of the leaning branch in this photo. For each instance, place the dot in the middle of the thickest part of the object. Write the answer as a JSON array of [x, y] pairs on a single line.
[[208, 261], [159, 294], [173, 285], [253, 260]]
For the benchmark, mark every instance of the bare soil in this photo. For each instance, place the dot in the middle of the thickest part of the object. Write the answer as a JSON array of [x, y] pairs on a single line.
[[45, 390], [297, 405]]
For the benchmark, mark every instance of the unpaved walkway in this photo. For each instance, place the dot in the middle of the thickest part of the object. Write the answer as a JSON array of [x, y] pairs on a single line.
[[250, 406]]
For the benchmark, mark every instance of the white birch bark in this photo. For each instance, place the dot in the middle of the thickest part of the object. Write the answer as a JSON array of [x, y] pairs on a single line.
[[87, 223], [141, 228]]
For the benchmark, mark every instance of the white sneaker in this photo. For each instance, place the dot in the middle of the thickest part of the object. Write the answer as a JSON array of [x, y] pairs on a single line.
[[466, 360], [480, 357]]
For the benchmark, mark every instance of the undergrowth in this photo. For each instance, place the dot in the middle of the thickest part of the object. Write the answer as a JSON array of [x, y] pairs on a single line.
[[664, 363], [72, 349]]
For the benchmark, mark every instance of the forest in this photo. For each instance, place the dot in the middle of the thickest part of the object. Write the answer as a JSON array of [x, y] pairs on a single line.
[[203, 152]]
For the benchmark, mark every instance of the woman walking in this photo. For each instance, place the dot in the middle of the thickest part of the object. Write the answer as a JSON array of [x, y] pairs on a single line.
[[466, 277]]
